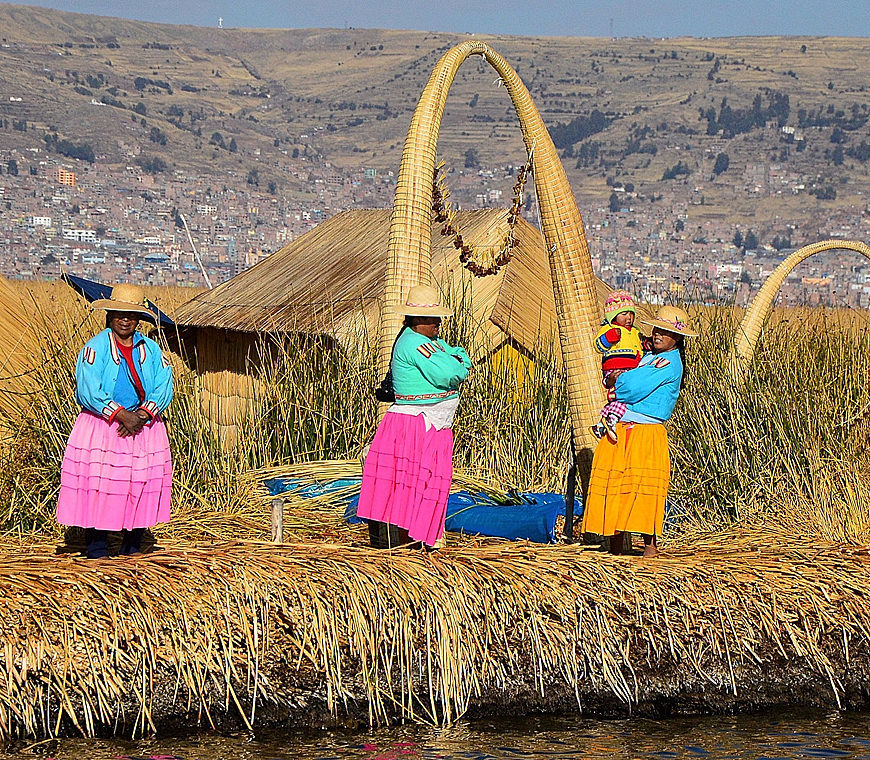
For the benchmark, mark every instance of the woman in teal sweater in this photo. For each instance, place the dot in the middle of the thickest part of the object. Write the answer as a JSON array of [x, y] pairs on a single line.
[[409, 467]]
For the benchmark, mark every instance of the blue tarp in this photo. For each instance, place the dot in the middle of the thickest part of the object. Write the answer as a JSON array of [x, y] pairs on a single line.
[[308, 490], [529, 516], [92, 291]]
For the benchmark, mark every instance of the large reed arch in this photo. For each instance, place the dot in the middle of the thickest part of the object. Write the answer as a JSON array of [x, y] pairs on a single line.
[[749, 331], [570, 264]]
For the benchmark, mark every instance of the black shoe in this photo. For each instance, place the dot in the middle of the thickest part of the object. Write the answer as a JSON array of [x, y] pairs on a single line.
[[132, 543], [97, 543], [598, 430]]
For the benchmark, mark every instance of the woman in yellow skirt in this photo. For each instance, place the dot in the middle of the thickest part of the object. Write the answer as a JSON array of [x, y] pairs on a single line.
[[630, 477]]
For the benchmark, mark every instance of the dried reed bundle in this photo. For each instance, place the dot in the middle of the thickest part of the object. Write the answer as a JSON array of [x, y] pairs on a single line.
[[20, 351], [758, 311], [570, 264], [237, 630]]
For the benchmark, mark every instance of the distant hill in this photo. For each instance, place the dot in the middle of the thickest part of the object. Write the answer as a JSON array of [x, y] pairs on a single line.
[[655, 114]]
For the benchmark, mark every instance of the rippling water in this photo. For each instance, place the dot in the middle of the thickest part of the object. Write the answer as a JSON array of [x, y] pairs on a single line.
[[808, 735]]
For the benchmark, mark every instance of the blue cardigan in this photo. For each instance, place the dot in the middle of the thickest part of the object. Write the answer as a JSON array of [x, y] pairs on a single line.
[[651, 389], [97, 372]]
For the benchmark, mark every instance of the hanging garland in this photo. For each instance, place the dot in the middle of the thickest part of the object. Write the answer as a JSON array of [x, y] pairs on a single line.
[[479, 261]]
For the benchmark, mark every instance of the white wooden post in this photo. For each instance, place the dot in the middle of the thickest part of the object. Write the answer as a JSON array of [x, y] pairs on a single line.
[[278, 520]]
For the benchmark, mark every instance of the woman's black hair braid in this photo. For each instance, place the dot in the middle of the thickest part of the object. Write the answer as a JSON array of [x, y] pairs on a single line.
[[681, 347]]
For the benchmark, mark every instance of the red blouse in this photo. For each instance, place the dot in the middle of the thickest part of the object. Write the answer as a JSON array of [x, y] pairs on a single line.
[[127, 354]]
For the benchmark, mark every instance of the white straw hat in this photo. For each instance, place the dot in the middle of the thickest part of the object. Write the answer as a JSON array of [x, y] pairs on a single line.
[[423, 301]]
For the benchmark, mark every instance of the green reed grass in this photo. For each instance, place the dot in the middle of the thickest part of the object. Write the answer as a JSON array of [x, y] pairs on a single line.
[[784, 436]]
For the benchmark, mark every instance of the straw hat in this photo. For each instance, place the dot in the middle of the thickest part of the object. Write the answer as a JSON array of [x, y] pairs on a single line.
[[423, 301], [673, 319], [126, 298]]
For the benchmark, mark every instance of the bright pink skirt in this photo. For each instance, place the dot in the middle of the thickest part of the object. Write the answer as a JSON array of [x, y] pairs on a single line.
[[407, 476], [113, 483]]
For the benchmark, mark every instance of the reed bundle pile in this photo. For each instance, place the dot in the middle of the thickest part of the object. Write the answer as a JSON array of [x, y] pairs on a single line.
[[20, 351], [243, 633], [306, 518]]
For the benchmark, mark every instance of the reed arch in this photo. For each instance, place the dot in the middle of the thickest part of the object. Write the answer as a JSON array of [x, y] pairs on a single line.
[[749, 331], [570, 264]]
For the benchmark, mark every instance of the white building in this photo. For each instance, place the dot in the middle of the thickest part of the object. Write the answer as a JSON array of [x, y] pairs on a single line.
[[80, 236]]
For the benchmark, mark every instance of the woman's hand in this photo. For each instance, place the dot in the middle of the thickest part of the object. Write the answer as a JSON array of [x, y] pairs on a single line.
[[610, 380], [130, 423]]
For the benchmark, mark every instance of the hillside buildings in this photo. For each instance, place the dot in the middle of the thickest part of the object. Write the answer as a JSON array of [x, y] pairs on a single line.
[[118, 223]]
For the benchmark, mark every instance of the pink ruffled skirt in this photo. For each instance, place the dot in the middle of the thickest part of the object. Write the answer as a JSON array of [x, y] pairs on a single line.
[[407, 476], [113, 483]]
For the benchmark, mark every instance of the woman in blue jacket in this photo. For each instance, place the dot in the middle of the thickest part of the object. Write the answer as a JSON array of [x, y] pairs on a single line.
[[630, 476], [117, 470]]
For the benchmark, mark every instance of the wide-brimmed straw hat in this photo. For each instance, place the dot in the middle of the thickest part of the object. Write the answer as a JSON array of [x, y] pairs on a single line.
[[126, 298], [673, 319], [423, 301]]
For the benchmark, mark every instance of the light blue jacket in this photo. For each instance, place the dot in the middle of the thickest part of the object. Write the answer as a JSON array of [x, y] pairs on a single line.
[[651, 389], [426, 371], [97, 372]]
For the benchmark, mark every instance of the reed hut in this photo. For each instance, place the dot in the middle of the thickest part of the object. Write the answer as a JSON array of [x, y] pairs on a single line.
[[330, 282]]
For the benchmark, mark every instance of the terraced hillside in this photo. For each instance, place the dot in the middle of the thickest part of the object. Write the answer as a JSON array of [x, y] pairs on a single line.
[[653, 113]]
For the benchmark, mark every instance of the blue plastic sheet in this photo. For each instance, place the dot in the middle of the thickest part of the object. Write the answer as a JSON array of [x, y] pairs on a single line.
[[527, 516], [307, 489], [532, 520]]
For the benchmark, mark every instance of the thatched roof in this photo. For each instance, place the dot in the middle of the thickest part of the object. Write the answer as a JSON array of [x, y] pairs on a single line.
[[330, 277]]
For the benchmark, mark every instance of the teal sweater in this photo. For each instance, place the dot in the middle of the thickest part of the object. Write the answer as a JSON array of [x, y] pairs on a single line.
[[426, 371]]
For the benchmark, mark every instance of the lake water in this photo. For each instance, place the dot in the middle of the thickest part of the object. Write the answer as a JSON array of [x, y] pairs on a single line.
[[804, 735]]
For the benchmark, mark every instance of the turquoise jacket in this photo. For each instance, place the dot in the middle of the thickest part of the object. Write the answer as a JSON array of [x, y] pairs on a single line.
[[651, 389], [426, 371], [97, 372]]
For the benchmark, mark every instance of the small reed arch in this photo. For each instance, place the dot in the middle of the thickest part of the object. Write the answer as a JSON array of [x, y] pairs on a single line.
[[749, 331], [565, 240]]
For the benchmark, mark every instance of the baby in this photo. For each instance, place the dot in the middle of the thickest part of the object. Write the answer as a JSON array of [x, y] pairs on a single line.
[[622, 346]]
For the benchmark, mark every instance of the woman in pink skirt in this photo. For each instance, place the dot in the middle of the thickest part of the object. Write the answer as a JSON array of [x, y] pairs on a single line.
[[409, 467], [117, 471]]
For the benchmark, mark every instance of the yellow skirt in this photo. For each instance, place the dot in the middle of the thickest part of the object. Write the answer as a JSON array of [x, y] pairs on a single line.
[[629, 482]]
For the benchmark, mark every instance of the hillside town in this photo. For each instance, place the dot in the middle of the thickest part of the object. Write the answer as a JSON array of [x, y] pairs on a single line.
[[117, 223]]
